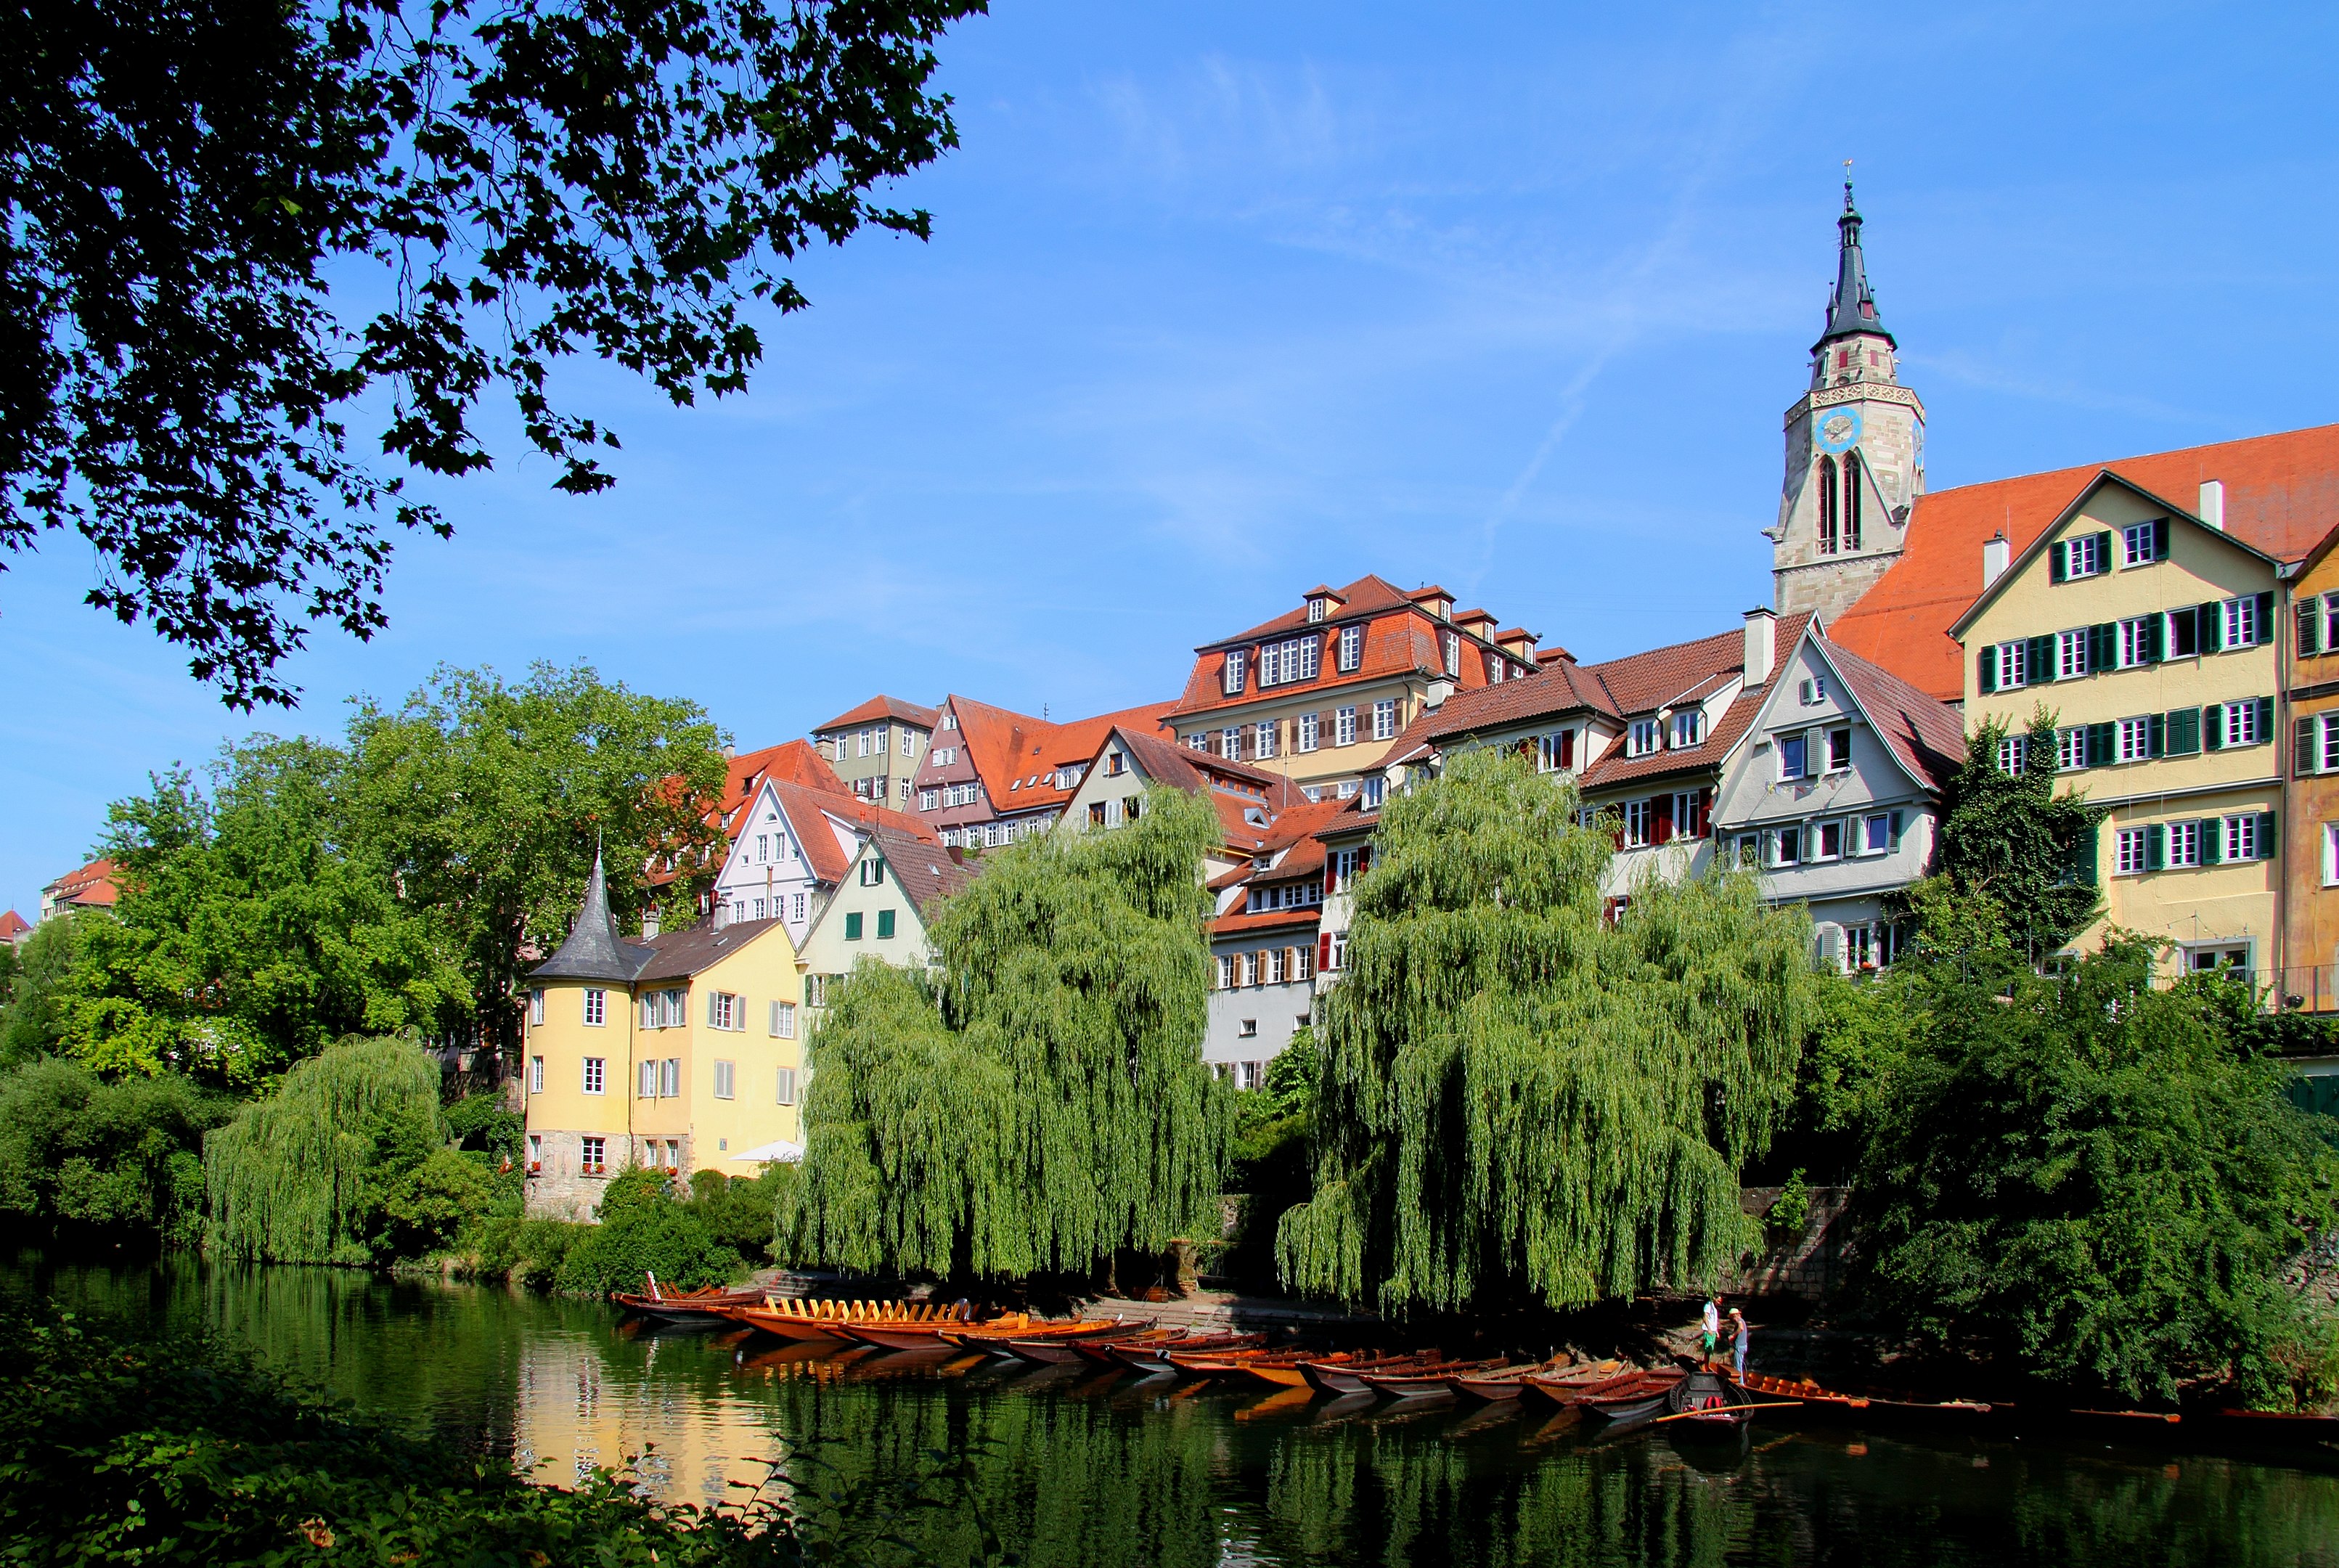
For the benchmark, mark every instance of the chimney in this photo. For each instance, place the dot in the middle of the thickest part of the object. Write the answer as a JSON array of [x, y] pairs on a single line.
[[1995, 553], [2213, 503], [1762, 646], [650, 923]]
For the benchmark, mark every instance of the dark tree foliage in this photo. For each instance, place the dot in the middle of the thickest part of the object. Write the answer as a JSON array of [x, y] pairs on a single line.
[[2082, 1175], [2011, 837], [85, 1159], [226, 223]]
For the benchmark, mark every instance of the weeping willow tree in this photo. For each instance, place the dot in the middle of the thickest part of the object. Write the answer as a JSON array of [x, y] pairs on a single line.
[[1519, 1098], [299, 1177], [1039, 1102]]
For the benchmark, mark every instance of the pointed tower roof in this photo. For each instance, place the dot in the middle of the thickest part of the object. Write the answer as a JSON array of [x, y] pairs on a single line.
[[593, 951], [1852, 309]]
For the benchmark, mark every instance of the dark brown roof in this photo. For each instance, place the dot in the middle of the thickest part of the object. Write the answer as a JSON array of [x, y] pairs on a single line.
[[1616, 768], [679, 954], [884, 707], [1928, 735], [927, 871]]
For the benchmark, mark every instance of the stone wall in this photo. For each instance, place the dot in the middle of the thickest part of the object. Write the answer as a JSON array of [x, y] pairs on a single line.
[[1810, 1263]]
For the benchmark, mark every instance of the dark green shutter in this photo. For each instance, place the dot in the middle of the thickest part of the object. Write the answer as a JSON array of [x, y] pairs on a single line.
[[2265, 720], [2265, 617], [2310, 626], [2058, 568], [853, 928], [2085, 860], [1897, 819], [2103, 647], [2041, 658], [2155, 735], [2184, 731], [2212, 627], [2213, 840], [1987, 669], [2160, 539], [884, 923], [2105, 545], [2302, 747], [2265, 836], [2213, 727], [2156, 846], [2099, 746], [2152, 639]]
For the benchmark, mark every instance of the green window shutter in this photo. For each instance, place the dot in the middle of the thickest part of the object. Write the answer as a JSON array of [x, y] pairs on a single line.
[[2059, 563], [2103, 647], [2265, 720], [2265, 617], [853, 927], [2212, 627], [884, 923], [2099, 746], [2041, 659], [2157, 735], [2265, 836], [2302, 748], [2156, 846], [2105, 545], [2160, 539], [2213, 727], [2212, 841], [2184, 731], [1986, 667], [2155, 627], [2085, 860], [2307, 614], [1898, 819]]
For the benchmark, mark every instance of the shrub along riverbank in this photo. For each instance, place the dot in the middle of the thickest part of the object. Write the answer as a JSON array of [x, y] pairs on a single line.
[[116, 1450]]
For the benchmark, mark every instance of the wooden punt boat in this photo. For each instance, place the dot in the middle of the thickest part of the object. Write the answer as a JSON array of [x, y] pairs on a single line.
[[1434, 1381], [1281, 1368], [1152, 1358], [1340, 1377], [1633, 1396], [708, 1303], [1056, 1349], [1818, 1403], [2266, 1426], [1709, 1398], [993, 1341], [1501, 1384], [1569, 1384], [1220, 1360], [1100, 1351], [816, 1321], [929, 1336]]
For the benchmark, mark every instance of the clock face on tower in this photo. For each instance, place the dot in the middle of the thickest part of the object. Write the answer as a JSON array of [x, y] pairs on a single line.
[[1838, 430]]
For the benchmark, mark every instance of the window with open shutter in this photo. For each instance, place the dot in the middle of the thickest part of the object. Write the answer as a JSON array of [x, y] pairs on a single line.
[[2156, 846], [1661, 830], [2183, 731], [2264, 729], [2308, 615], [2213, 727], [2059, 563], [2100, 741], [2304, 751]]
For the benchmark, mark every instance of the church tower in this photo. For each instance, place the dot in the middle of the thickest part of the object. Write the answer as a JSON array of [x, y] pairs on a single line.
[[1855, 452]]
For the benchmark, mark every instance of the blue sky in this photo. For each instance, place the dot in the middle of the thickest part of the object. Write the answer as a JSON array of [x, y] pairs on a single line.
[[1224, 300]]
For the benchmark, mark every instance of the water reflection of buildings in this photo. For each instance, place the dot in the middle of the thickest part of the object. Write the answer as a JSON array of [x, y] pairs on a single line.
[[689, 1430]]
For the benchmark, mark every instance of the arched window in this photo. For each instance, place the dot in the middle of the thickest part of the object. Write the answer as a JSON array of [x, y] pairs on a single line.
[[1827, 506], [1851, 501]]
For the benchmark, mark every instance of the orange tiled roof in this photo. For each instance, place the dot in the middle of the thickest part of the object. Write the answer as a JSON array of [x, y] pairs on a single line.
[[13, 927], [883, 707], [2282, 496], [1016, 755], [1239, 924], [805, 808], [92, 886]]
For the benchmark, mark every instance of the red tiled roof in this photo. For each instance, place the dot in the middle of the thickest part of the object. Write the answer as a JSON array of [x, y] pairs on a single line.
[[1928, 735], [1643, 683], [883, 707], [806, 809], [1016, 755], [2282, 496], [1616, 768], [790, 761], [1401, 637], [92, 886], [926, 871], [13, 927], [1265, 920]]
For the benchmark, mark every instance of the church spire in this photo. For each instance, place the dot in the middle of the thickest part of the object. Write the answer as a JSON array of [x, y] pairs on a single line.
[[1852, 309]]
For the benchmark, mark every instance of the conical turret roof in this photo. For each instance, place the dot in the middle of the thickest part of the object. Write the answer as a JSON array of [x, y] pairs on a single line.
[[593, 951], [1852, 309]]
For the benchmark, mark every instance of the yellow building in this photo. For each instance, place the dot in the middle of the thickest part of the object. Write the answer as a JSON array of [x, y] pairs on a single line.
[[682, 1053], [2310, 960], [2154, 638]]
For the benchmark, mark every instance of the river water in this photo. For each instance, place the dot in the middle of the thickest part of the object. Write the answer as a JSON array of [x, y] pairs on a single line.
[[919, 1462]]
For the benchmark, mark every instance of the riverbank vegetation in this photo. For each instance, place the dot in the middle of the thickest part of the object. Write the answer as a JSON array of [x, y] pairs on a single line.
[[1039, 1104], [117, 1450]]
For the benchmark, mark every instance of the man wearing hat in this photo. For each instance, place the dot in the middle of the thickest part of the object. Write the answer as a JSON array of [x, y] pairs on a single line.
[[1738, 1331]]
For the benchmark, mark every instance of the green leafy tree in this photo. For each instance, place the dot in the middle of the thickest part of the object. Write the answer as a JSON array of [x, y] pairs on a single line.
[[1043, 1104], [83, 1158], [253, 927], [428, 1207], [230, 226], [2080, 1175], [303, 1175], [489, 799], [1521, 1098], [2013, 838], [34, 1023], [645, 1229]]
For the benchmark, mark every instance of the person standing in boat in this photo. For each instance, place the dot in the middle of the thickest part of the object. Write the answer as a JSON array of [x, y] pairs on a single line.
[[1737, 1333], [1710, 1329]]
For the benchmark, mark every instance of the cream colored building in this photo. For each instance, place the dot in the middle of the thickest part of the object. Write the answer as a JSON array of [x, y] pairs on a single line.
[[682, 1053], [879, 910], [2153, 637]]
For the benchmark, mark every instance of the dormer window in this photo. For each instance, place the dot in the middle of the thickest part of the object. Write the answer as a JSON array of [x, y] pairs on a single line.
[[1115, 765], [1641, 738], [1496, 669], [1352, 648], [949, 721], [1233, 683], [1689, 728], [1318, 607], [1453, 653]]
